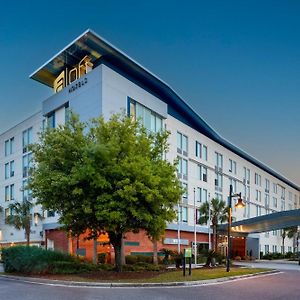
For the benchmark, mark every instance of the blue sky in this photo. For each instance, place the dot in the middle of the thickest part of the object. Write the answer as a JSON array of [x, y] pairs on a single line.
[[237, 63]]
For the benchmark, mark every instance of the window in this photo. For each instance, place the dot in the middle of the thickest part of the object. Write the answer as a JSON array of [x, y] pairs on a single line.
[[183, 214], [198, 149], [182, 168], [274, 188], [290, 196], [201, 173], [204, 152], [274, 201], [27, 161], [9, 169], [258, 210], [7, 193], [232, 166], [257, 179], [7, 212], [258, 195], [219, 196], [282, 205], [267, 200], [51, 120], [185, 193], [201, 195], [12, 168], [267, 186], [27, 194], [201, 151], [182, 144], [27, 139], [9, 146], [219, 182], [219, 161], [12, 192], [234, 184], [149, 119]]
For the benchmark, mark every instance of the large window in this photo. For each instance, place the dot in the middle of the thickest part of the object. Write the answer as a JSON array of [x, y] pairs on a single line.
[[201, 150], [201, 173], [150, 120], [9, 169], [182, 168], [182, 144], [27, 139], [9, 146], [27, 159]]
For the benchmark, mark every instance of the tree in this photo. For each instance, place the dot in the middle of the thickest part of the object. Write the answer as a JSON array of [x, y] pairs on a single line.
[[288, 232], [106, 176], [218, 213], [21, 217]]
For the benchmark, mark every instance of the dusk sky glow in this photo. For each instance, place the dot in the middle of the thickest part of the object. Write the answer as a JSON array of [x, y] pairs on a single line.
[[237, 63]]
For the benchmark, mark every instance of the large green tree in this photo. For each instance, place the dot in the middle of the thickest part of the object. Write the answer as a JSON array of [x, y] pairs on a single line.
[[106, 176], [218, 215]]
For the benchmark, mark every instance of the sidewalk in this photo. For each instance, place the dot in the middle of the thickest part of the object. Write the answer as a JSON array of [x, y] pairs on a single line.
[[279, 264]]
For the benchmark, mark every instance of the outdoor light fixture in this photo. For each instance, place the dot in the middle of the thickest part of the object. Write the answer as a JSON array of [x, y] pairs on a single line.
[[239, 204]]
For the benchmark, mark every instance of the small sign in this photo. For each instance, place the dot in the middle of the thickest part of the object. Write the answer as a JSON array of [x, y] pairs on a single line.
[[188, 252]]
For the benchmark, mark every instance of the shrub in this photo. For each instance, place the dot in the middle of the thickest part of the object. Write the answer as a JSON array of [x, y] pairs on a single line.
[[31, 259], [237, 258], [101, 258], [106, 267], [141, 266], [144, 259], [131, 259], [68, 267]]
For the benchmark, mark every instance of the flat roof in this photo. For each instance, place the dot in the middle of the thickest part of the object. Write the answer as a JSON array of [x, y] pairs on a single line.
[[273, 221], [91, 44]]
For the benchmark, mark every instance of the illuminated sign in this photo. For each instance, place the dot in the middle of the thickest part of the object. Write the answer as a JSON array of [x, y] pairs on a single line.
[[66, 77]]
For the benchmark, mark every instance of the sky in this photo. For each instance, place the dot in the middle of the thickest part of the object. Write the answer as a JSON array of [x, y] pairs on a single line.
[[237, 63]]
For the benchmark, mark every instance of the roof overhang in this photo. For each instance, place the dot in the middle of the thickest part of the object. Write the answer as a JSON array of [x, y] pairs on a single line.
[[274, 221]]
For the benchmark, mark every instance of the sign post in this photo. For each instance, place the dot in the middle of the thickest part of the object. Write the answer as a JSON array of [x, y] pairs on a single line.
[[187, 254]]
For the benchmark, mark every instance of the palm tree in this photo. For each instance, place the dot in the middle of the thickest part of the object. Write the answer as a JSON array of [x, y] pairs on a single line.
[[20, 217], [288, 232], [218, 213]]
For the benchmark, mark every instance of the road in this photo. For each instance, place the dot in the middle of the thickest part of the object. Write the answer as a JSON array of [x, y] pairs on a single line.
[[284, 285]]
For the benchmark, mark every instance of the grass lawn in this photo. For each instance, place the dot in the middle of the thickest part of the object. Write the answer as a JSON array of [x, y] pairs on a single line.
[[202, 274], [154, 277]]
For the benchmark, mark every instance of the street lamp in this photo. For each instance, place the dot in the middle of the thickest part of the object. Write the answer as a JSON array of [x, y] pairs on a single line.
[[195, 230], [239, 204]]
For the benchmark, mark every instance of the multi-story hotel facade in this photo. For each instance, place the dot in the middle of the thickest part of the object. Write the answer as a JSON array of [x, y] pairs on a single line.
[[92, 78]]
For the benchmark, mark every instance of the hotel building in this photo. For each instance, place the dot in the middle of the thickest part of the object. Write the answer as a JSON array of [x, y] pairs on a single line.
[[93, 78]]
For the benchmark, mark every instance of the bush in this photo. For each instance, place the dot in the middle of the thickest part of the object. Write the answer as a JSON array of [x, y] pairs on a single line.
[[34, 260], [101, 258], [106, 267], [130, 259], [237, 258], [141, 266]]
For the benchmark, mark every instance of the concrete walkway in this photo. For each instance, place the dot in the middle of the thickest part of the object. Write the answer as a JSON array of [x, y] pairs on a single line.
[[270, 264]]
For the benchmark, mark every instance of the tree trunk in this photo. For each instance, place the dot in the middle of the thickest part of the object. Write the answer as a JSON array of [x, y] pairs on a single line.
[[215, 238], [283, 245], [27, 234], [123, 260], [116, 241], [155, 260], [95, 258]]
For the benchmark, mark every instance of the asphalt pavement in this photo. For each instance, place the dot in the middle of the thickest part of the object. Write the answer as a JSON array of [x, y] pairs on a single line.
[[283, 285]]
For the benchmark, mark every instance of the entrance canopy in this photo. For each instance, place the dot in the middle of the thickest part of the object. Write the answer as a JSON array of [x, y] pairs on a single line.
[[265, 223]]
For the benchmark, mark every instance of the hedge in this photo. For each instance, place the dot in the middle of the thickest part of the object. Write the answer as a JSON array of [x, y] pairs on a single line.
[[23, 259]]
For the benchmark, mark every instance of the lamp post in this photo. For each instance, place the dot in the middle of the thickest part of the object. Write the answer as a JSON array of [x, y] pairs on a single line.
[[209, 222], [239, 204], [195, 232]]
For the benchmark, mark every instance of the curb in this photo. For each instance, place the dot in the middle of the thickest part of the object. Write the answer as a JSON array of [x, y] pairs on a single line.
[[131, 285]]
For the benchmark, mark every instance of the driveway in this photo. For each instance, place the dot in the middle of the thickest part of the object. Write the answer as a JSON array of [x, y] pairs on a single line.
[[271, 264]]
